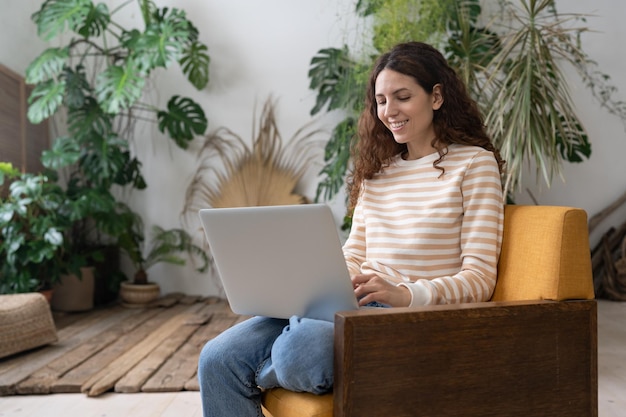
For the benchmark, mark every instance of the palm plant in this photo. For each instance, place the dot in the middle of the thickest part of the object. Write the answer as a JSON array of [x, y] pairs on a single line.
[[529, 111]]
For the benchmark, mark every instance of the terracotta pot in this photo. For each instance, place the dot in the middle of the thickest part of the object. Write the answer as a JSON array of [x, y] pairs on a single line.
[[47, 294], [73, 293], [139, 295]]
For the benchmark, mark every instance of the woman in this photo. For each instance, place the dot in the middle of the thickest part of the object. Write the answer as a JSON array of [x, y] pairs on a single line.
[[427, 227]]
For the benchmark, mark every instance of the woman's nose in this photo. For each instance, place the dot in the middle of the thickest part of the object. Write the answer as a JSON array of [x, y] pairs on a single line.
[[390, 109]]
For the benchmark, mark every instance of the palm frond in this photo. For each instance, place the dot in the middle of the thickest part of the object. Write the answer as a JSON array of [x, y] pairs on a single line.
[[530, 113], [232, 173]]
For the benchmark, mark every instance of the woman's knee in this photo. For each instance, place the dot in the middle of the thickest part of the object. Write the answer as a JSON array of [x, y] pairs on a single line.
[[211, 360], [239, 348], [303, 355]]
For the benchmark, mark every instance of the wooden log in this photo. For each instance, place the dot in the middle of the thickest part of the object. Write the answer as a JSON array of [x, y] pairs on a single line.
[[595, 220]]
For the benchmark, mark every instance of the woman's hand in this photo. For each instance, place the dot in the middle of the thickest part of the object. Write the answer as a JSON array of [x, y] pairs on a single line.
[[371, 287]]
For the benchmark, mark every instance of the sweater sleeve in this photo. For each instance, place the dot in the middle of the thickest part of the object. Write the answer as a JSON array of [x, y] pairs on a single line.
[[481, 238], [354, 247]]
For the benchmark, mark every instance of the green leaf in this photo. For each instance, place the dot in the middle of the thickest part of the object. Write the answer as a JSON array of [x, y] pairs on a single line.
[[148, 9], [6, 214], [76, 86], [162, 42], [7, 169], [183, 119], [131, 174], [89, 119], [54, 237], [336, 156], [195, 64], [54, 15], [44, 100], [104, 157], [118, 88], [329, 69], [96, 20], [47, 66], [65, 151]]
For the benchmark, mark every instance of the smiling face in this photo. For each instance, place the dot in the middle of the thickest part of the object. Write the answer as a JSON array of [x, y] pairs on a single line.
[[406, 109]]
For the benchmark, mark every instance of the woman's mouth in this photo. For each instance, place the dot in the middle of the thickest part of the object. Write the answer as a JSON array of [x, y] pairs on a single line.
[[397, 125]]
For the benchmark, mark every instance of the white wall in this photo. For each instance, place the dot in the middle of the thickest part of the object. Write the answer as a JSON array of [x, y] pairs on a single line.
[[19, 43], [259, 48]]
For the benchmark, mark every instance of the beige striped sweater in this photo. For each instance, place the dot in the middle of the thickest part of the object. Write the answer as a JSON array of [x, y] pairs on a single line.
[[438, 236]]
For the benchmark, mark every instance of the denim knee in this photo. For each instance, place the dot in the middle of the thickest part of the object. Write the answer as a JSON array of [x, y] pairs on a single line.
[[303, 355], [210, 362]]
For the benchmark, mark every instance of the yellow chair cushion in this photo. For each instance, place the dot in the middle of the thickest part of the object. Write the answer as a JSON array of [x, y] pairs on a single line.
[[283, 403]]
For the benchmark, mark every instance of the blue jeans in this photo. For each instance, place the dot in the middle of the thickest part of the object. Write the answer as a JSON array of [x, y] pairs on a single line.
[[262, 353]]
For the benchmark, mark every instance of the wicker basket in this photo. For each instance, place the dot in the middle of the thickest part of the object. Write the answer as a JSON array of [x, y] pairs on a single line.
[[615, 280], [25, 323]]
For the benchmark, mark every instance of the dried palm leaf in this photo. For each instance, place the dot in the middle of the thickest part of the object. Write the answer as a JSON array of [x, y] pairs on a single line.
[[233, 174]]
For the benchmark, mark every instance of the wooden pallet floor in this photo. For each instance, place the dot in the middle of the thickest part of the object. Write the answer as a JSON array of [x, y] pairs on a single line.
[[121, 349]]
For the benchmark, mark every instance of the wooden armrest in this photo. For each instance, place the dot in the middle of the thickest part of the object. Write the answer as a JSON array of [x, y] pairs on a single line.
[[521, 358]]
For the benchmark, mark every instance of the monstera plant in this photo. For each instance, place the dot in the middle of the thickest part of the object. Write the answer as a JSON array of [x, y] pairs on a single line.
[[97, 77]]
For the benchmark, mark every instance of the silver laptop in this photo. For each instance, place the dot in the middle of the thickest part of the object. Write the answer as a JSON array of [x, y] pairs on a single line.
[[280, 261]]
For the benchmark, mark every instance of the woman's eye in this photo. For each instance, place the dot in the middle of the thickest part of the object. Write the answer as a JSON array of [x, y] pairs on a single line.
[[404, 98], [380, 103]]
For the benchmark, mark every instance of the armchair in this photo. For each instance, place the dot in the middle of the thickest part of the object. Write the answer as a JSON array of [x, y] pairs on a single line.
[[530, 351]]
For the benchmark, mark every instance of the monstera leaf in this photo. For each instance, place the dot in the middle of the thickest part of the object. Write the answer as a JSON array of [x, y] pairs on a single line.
[[329, 72], [183, 119], [118, 88], [64, 152], [49, 65], [163, 41], [89, 119], [96, 20], [195, 64], [45, 100], [76, 87], [55, 15]]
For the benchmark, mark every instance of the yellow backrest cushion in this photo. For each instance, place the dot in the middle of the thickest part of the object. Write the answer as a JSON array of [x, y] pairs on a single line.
[[545, 255]]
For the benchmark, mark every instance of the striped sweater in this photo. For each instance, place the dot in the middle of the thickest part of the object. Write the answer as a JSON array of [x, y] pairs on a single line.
[[439, 236]]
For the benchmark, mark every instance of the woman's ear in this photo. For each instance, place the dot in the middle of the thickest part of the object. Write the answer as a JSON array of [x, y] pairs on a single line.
[[437, 97]]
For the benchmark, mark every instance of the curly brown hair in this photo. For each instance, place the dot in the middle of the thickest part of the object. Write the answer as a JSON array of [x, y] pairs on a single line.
[[458, 120]]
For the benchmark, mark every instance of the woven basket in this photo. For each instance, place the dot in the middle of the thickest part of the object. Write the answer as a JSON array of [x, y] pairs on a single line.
[[614, 283], [25, 323]]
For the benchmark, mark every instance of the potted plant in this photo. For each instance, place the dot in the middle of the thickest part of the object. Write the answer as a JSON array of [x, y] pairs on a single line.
[[33, 218], [98, 76], [168, 246]]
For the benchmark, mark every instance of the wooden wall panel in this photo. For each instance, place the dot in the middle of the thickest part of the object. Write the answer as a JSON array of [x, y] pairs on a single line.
[[21, 142]]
